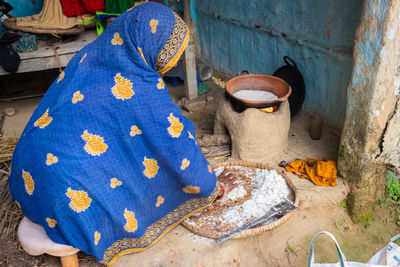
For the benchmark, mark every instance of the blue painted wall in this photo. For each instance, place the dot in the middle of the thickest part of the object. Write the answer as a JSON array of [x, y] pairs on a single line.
[[24, 8], [254, 35]]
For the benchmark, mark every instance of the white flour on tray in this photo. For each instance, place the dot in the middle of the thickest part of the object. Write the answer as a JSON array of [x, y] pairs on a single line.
[[271, 189]]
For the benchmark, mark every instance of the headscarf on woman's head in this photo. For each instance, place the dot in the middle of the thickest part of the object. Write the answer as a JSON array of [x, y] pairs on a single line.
[[168, 37], [157, 33]]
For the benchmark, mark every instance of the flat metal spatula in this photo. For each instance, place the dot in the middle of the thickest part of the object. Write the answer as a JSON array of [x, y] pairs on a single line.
[[276, 211]]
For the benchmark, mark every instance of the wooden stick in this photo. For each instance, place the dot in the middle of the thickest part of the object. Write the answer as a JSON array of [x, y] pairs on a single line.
[[3, 216], [70, 261], [3, 171], [57, 58], [186, 12], [215, 151], [214, 140], [20, 97], [190, 73]]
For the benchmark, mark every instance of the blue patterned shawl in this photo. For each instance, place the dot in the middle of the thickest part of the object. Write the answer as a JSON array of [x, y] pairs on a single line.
[[107, 163]]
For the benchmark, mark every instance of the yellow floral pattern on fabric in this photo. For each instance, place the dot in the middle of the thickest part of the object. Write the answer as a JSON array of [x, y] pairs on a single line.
[[131, 223], [44, 120], [135, 130], [160, 201], [142, 55], [151, 167], [122, 88], [176, 126], [51, 159], [191, 189], [117, 40], [158, 228], [160, 84], [51, 222], [94, 144], [190, 135], [97, 237], [83, 58], [209, 169], [79, 199], [114, 182], [185, 164], [173, 47], [29, 182], [77, 97], [153, 25], [61, 76]]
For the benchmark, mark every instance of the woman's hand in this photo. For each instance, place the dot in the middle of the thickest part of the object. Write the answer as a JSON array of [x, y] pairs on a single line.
[[227, 179]]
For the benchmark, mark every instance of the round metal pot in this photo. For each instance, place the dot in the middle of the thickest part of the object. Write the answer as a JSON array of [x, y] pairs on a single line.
[[261, 82]]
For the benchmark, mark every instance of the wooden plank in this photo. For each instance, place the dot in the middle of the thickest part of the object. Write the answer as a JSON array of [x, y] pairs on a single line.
[[44, 57], [44, 63], [190, 71], [71, 47], [189, 59]]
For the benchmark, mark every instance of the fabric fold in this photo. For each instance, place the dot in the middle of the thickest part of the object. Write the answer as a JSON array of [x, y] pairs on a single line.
[[320, 172], [50, 17]]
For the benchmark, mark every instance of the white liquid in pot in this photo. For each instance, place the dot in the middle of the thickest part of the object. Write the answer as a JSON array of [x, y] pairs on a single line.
[[255, 95]]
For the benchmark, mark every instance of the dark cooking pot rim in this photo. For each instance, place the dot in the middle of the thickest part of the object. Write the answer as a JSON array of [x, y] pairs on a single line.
[[258, 104]]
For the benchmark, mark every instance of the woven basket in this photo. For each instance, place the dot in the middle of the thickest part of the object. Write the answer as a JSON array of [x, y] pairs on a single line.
[[12, 24], [210, 233]]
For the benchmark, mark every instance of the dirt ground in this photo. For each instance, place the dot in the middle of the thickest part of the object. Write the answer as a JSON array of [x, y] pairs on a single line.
[[320, 208]]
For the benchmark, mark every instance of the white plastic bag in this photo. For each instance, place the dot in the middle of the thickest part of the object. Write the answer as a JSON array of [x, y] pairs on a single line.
[[342, 259], [389, 255]]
